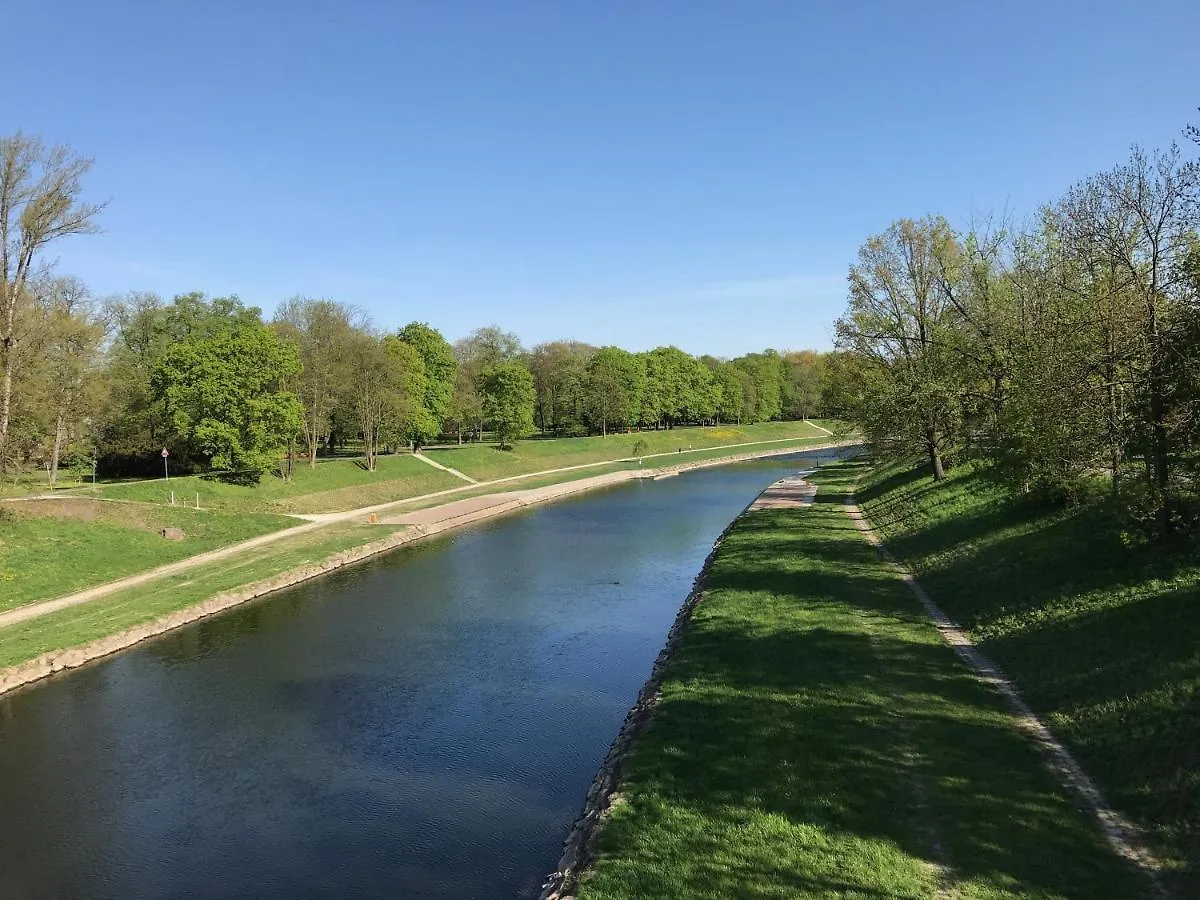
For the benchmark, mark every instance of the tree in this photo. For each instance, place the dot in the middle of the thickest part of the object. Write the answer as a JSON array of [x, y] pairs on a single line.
[[40, 203], [322, 332], [70, 352], [406, 414], [900, 320], [441, 369], [1138, 218], [560, 370], [768, 371], [137, 421], [803, 377], [508, 401], [613, 388], [222, 389]]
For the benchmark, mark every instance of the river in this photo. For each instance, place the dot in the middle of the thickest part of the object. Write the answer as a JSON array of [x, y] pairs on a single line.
[[422, 725]]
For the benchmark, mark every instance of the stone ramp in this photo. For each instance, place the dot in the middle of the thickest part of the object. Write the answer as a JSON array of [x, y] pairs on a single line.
[[792, 492]]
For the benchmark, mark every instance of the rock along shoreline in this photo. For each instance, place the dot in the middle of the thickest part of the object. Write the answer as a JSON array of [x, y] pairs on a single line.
[[55, 661]]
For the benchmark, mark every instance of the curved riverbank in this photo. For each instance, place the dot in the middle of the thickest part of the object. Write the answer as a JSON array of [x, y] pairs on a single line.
[[430, 521]]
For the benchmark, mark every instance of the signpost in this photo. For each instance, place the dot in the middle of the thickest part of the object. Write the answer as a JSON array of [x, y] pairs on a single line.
[[165, 454]]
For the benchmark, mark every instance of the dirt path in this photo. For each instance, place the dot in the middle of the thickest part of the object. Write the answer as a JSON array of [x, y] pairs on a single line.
[[442, 516], [1122, 836], [437, 465]]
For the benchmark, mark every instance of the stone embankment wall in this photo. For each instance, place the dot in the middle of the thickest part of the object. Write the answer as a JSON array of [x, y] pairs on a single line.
[[59, 660]]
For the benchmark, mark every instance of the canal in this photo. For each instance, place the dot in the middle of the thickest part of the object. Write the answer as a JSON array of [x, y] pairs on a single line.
[[422, 725]]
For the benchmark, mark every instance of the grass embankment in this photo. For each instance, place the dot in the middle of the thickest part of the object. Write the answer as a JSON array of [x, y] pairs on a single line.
[[330, 486], [53, 547], [133, 606], [1102, 638], [488, 462], [816, 738]]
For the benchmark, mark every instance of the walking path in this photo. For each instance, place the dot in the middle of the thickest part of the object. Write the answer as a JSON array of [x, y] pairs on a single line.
[[1121, 834], [437, 465], [431, 520]]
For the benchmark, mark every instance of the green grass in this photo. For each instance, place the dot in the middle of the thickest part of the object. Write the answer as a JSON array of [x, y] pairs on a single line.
[[330, 486], [488, 461], [50, 548], [80, 624], [816, 738], [1102, 638]]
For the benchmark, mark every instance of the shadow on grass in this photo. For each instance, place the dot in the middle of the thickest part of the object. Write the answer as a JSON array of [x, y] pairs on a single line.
[[814, 733], [1103, 639]]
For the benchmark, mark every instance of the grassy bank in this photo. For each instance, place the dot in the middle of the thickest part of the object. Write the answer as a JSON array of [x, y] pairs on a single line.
[[487, 461], [1103, 638], [53, 547], [329, 486], [133, 606], [816, 738]]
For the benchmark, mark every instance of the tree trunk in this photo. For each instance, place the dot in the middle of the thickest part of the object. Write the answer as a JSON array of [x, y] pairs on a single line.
[[1158, 418], [6, 401], [935, 457], [58, 441]]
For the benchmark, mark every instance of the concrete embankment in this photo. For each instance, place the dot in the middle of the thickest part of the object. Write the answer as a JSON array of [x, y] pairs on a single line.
[[422, 523]]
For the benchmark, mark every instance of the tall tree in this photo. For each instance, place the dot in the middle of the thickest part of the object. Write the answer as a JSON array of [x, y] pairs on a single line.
[[559, 370], [508, 401], [70, 353], [1138, 218], [441, 367], [901, 320], [40, 203], [223, 389], [322, 332], [613, 388]]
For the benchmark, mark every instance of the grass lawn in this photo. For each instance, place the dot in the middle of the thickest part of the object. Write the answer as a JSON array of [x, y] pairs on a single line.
[[332, 485], [80, 624], [816, 738], [484, 462], [1102, 638], [53, 547]]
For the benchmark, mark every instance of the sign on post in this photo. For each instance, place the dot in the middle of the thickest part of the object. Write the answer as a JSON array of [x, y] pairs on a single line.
[[165, 454]]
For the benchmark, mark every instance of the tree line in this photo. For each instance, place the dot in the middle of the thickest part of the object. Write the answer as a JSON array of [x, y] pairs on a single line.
[[110, 382], [1062, 353]]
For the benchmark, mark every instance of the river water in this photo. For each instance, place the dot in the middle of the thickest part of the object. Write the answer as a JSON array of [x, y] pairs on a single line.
[[423, 725]]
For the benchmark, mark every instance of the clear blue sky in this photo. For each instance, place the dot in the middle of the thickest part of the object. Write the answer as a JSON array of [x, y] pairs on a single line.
[[675, 171]]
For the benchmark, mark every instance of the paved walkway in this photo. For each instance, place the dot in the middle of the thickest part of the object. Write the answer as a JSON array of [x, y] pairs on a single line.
[[787, 493]]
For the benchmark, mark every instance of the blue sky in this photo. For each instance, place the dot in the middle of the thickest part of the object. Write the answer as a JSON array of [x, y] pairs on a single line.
[[639, 173]]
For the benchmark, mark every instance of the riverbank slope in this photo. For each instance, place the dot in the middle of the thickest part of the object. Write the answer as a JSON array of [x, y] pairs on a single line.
[[1100, 633], [816, 737]]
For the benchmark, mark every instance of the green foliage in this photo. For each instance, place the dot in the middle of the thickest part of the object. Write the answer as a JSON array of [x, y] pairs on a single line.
[[767, 371], [221, 388], [640, 448], [614, 388], [508, 401], [441, 369]]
